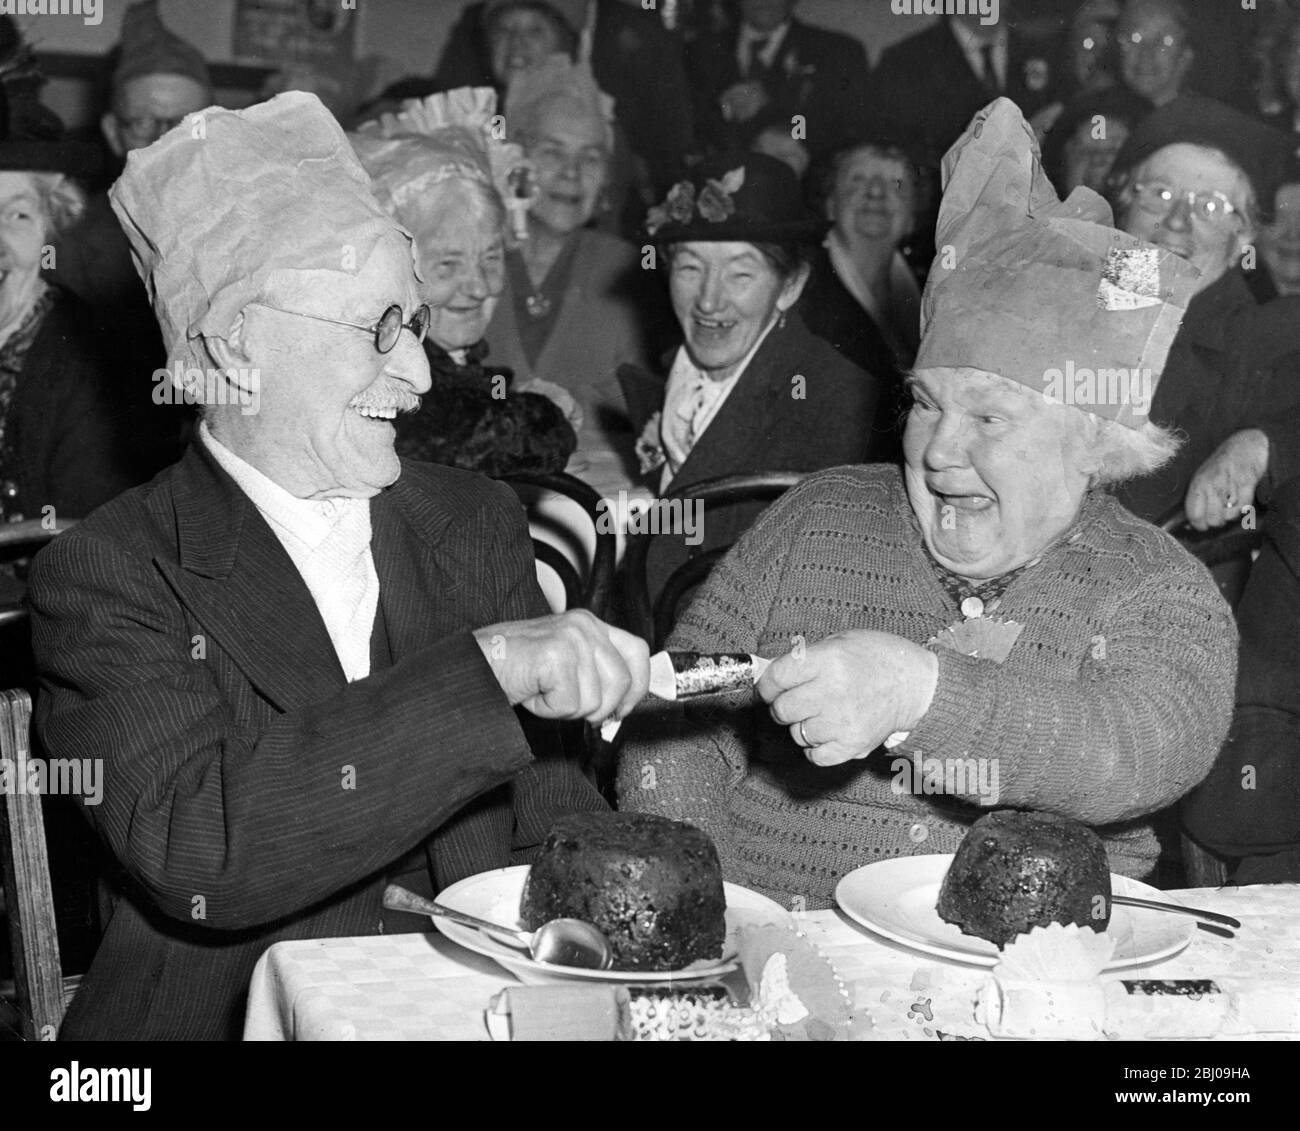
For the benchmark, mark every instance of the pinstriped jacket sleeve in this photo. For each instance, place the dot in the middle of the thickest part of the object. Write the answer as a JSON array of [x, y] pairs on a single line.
[[260, 822]]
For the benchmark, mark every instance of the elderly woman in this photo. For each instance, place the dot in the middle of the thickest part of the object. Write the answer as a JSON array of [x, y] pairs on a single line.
[[58, 438], [439, 171], [1197, 178], [987, 606], [862, 296], [750, 389], [577, 303]]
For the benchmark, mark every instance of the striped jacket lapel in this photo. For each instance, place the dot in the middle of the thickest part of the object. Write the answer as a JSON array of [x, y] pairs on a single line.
[[244, 590]]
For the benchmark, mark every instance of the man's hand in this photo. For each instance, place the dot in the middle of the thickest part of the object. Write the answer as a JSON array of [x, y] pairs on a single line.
[[843, 696], [571, 666], [1225, 483], [742, 101]]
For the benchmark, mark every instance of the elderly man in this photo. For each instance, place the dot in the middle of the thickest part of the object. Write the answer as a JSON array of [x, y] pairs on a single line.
[[1196, 178], [297, 656]]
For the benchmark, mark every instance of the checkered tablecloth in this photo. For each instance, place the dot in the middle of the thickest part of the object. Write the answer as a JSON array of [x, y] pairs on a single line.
[[424, 987]]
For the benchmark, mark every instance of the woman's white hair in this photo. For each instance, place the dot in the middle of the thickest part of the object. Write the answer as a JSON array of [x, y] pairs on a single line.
[[1124, 453], [62, 201]]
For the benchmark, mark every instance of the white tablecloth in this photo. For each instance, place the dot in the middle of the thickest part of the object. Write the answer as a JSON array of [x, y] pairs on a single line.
[[422, 987]]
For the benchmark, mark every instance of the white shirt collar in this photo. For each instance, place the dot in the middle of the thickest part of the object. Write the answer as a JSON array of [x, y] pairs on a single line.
[[680, 430], [309, 520]]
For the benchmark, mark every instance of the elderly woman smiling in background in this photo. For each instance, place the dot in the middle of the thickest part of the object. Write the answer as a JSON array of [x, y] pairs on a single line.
[[988, 603], [436, 166], [577, 302], [59, 442], [750, 389]]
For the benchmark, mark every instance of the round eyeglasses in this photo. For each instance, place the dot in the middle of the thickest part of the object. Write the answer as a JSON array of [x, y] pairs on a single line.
[[387, 330], [1208, 207]]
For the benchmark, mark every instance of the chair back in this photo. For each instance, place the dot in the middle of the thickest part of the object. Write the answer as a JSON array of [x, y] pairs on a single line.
[[1228, 554], [653, 617], [592, 592], [39, 987]]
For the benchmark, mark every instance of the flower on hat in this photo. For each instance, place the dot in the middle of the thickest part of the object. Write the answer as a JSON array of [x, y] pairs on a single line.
[[714, 204]]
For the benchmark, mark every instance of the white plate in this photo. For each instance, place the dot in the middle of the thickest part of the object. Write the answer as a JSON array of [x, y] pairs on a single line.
[[897, 898], [495, 896]]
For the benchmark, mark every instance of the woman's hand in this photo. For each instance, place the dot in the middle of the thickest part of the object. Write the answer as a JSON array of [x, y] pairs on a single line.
[[843, 696], [1224, 485]]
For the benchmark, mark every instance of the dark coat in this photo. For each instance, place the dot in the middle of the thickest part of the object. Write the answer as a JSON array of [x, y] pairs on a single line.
[[764, 426], [67, 431], [924, 89], [252, 794], [1249, 807], [1235, 364], [833, 314], [819, 74]]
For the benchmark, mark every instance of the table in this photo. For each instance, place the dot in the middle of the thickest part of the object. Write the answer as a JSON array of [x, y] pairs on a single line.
[[423, 987]]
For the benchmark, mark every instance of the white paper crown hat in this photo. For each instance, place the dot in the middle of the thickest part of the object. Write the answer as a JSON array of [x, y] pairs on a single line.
[[216, 209], [457, 134], [556, 78], [1035, 288]]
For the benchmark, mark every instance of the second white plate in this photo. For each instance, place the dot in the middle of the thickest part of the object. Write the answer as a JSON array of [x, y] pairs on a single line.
[[898, 898]]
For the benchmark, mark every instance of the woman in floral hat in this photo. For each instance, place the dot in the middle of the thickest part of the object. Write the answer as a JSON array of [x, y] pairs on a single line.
[[750, 388]]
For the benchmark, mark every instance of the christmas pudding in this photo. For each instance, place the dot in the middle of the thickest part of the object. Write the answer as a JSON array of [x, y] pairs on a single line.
[[653, 886], [1016, 870]]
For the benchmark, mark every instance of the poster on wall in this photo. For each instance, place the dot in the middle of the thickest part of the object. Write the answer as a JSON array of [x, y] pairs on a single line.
[[320, 32]]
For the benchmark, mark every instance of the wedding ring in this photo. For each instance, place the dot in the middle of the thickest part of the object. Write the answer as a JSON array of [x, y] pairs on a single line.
[[803, 737]]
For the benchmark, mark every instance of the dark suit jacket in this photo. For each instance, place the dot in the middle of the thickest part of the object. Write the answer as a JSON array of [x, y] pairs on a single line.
[[817, 73], [251, 794], [1235, 364], [924, 89], [763, 426]]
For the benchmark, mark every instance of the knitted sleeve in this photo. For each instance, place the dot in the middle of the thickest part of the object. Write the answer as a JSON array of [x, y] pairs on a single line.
[[682, 762], [1138, 727]]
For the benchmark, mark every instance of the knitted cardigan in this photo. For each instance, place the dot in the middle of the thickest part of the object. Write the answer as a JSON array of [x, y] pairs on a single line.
[[1111, 705]]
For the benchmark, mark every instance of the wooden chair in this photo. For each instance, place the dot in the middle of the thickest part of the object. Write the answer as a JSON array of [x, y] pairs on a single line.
[[653, 619], [1228, 554], [40, 993], [594, 595]]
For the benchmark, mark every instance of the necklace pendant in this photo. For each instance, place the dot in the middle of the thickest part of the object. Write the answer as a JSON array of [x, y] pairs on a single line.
[[537, 305], [972, 607]]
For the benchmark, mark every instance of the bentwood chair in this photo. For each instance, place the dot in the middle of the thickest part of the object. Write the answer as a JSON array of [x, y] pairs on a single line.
[[652, 617], [1228, 554], [32, 1004], [593, 593]]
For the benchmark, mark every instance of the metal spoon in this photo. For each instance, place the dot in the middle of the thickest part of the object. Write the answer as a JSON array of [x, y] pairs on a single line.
[[561, 942]]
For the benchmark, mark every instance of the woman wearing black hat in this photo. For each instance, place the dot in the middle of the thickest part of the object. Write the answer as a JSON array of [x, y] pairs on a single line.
[[750, 389]]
